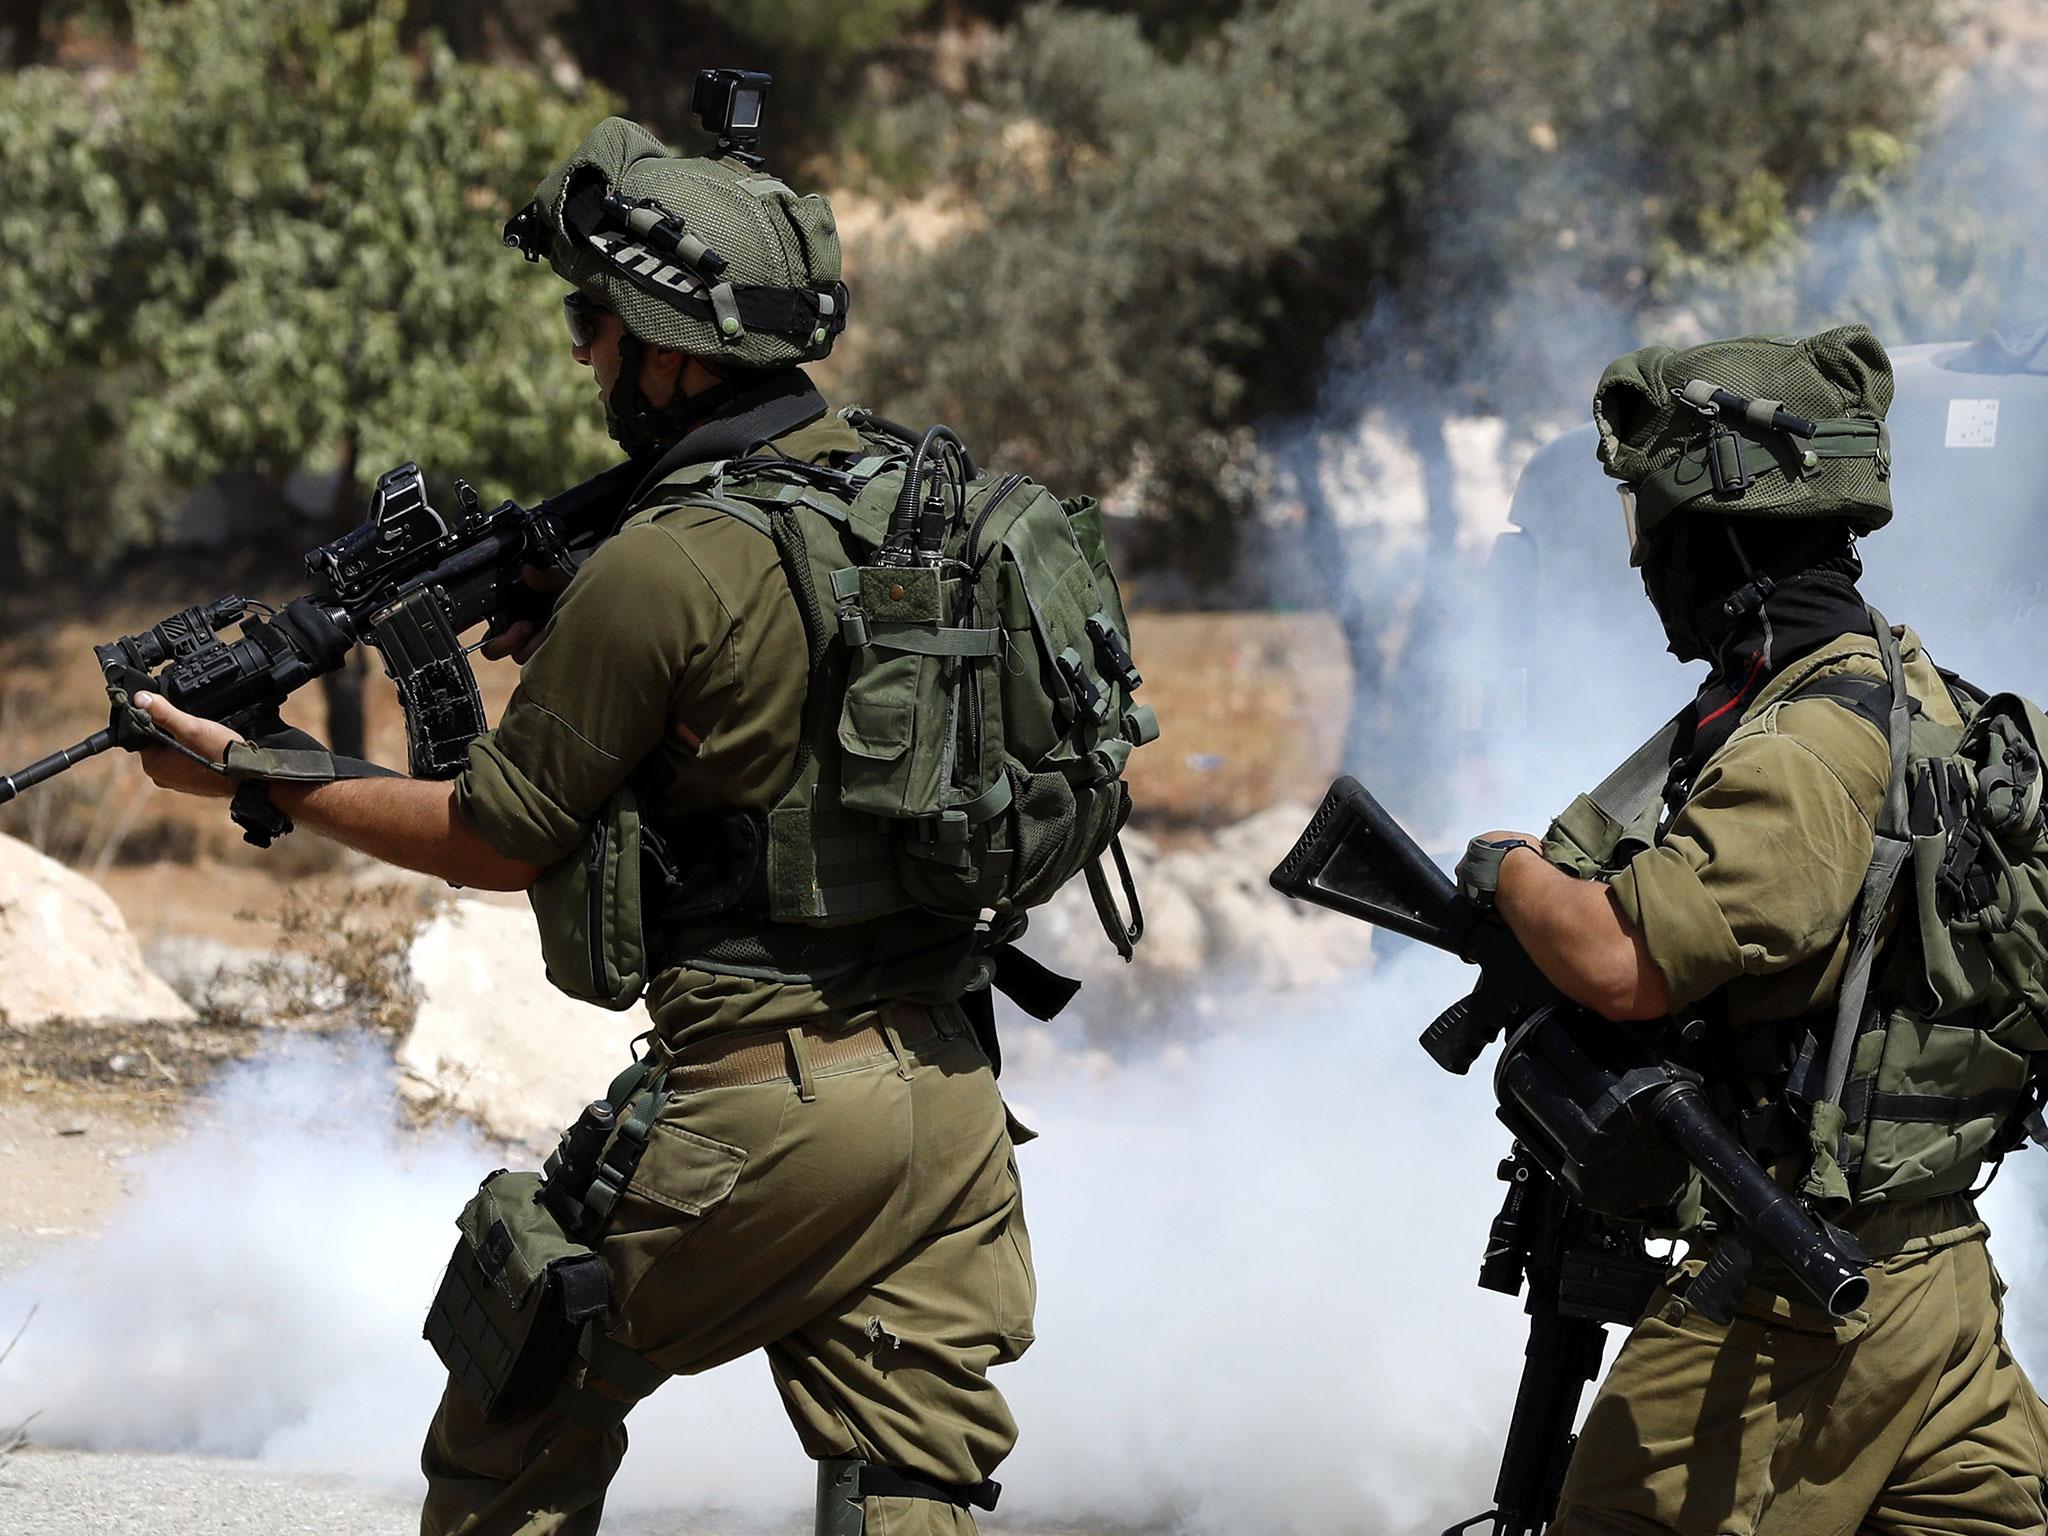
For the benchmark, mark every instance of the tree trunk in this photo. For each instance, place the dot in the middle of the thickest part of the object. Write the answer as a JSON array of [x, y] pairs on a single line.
[[1348, 596], [1428, 684], [23, 21], [343, 688]]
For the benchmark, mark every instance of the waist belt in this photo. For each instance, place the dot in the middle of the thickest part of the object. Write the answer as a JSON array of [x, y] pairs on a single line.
[[748, 1057]]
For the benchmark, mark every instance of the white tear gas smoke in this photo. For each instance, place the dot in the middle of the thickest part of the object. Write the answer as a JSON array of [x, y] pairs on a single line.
[[1256, 1255], [1257, 1248]]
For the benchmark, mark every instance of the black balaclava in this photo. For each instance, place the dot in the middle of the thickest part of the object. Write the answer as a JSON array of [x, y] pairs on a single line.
[[1749, 597], [639, 427]]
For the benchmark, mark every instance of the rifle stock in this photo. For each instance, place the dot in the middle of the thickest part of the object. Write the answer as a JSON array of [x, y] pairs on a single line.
[[1354, 858], [1578, 1090], [1594, 1110]]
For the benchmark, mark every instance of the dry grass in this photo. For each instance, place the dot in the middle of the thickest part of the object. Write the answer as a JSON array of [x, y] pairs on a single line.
[[15, 1437], [340, 961]]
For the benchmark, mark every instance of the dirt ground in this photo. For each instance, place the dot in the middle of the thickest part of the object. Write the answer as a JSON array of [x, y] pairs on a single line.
[[1253, 708]]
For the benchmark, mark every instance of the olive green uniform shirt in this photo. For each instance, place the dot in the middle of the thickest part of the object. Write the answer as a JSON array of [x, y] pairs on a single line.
[[1750, 891], [679, 645], [1911, 1414]]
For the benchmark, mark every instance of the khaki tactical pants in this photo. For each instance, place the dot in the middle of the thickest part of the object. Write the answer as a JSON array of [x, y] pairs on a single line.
[[860, 1223], [1909, 1419]]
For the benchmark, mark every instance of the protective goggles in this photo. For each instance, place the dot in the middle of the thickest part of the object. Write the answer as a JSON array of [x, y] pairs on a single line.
[[585, 316], [1638, 545]]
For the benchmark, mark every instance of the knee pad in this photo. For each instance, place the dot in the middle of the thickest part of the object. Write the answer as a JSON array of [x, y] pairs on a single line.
[[845, 1482]]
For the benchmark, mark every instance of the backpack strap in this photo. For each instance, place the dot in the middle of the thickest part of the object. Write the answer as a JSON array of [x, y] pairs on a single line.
[[1868, 698], [1825, 1179], [777, 406]]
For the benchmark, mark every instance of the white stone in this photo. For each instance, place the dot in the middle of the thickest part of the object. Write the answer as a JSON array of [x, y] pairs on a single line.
[[494, 1039], [66, 953]]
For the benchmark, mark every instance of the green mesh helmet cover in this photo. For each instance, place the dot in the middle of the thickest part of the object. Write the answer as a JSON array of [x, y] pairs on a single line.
[[779, 298], [1840, 379]]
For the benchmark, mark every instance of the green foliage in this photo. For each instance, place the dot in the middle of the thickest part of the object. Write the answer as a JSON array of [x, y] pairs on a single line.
[[1157, 232], [275, 243], [1168, 245], [1921, 242], [841, 30]]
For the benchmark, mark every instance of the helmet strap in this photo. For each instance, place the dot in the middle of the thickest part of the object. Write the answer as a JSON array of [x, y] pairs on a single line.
[[636, 424]]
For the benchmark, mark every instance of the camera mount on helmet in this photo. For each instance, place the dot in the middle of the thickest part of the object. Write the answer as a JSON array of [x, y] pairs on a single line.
[[730, 104]]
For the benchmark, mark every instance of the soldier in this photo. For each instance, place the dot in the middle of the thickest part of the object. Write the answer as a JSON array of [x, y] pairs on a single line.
[[1733, 916], [825, 1172]]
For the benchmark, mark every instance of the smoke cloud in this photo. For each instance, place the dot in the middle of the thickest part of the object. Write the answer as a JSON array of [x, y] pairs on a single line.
[[1256, 1257], [1256, 1248]]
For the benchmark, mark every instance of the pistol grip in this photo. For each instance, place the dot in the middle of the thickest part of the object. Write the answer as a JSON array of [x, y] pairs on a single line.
[[1456, 1036]]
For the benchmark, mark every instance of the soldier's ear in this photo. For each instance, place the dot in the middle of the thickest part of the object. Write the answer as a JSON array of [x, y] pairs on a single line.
[[659, 367]]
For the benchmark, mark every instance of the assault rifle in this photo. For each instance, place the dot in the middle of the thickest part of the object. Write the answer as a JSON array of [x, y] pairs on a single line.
[[1601, 1118], [409, 581]]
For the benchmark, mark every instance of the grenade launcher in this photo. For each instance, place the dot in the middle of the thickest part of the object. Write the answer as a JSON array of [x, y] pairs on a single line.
[[1607, 1130], [409, 581]]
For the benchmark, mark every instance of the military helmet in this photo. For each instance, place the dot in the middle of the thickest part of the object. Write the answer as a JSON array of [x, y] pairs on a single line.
[[1756, 426], [713, 257]]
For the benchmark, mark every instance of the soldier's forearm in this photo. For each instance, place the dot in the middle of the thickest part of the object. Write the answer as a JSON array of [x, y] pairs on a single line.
[[1578, 938], [412, 823]]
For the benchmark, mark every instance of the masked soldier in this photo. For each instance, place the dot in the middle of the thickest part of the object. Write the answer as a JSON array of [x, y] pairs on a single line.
[[1731, 903], [813, 1159]]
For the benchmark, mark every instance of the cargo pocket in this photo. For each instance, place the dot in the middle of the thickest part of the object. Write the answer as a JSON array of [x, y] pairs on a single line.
[[878, 730], [680, 1182], [684, 1172], [1015, 1282]]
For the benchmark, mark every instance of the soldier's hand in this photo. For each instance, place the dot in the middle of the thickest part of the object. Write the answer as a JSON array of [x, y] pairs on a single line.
[[519, 638], [173, 770]]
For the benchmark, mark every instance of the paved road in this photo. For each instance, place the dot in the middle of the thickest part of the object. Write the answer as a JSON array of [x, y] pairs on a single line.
[[87, 1493], [80, 1493]]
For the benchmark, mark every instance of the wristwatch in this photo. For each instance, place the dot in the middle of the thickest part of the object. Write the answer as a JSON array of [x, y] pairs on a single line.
[[1479, 870]]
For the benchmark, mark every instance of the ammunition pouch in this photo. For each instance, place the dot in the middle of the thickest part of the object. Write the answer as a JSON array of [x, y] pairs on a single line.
[[588, 907], [525, 1293], [515, 1299]]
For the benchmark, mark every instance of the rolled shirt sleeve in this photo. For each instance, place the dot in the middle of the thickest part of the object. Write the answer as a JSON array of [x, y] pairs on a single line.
[[1760, 870], [637, 626]]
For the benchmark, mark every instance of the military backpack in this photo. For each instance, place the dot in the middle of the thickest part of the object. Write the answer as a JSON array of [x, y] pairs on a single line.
[[1933, 1060], [967, 723]]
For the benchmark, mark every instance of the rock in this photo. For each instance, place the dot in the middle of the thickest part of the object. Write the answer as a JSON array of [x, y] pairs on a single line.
[[494, 1039], [66, 953], [1213, 926]]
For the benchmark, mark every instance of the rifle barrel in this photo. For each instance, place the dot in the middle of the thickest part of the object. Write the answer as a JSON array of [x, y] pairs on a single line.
[[49, 767]]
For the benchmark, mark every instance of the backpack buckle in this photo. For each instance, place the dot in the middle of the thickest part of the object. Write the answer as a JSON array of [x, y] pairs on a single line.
[[1114, 655], [1959, 878], [1090, 697]]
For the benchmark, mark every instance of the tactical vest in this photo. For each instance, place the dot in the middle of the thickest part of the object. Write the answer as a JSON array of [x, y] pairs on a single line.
[[1931, 1064], [966, 727]]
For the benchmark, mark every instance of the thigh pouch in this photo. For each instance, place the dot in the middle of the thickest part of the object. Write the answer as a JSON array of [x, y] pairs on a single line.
[[516, 1299], [522, 1297]]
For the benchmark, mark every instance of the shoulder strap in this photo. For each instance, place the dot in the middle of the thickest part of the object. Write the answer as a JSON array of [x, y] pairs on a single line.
[[784, 401], [1638, 783], [1868, 698], [1888, 855]]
